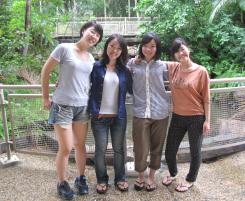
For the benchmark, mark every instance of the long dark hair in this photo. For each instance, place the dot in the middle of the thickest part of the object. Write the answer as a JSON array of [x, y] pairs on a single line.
[[98, 28], [146, 39], [123, 58]]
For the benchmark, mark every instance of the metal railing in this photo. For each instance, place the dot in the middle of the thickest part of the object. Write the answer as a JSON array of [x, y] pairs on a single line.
[[31, 133], [123, 25]]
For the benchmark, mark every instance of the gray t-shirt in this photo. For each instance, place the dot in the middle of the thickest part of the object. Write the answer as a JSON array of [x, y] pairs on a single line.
[[74, 76]]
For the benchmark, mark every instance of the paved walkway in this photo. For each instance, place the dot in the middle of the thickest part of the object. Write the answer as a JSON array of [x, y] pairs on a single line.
[[34, 179]]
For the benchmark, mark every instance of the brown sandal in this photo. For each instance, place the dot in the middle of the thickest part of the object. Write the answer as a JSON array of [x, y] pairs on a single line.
[[139, 185], [151, 187]]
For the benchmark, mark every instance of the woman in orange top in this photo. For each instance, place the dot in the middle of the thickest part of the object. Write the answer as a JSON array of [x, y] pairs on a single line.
[[189, 83]]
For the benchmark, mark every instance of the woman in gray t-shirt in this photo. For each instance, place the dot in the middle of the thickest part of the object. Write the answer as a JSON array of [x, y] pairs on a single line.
[[68, 108]]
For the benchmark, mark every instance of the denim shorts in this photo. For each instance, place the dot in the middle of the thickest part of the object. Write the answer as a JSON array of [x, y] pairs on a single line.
[[65, 114]]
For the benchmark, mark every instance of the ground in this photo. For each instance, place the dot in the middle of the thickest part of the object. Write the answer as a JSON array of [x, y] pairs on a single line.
[[34, 179]]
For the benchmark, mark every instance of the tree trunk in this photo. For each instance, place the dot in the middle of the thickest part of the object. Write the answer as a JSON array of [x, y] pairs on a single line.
[[41, 6], [105, 8], [135, 5], [27, 25], [129, 13], [28, 15], [242, 17]]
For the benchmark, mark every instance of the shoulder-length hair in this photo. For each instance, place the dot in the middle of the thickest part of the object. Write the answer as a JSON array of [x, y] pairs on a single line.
[[177, 44], [98, 28], [146, 39], [123, 58]]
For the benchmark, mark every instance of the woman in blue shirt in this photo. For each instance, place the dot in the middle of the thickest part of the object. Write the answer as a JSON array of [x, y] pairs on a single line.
[[110, 82]]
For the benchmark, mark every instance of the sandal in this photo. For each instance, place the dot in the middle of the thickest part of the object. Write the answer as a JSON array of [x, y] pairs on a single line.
[[168, 180], [151, 187], [122, 186], [183, 186], [139, 185], [101, 188]]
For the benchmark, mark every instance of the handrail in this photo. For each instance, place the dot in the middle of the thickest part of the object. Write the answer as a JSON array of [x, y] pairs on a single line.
[[38, 86]]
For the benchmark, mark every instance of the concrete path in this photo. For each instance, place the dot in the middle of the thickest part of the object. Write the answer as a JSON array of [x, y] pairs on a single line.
[[34, 179]]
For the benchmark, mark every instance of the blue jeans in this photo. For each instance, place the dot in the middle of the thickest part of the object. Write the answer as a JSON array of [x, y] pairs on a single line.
[[65, 114], [100, 128]]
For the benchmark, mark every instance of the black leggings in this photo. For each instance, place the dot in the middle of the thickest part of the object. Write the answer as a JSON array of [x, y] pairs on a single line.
[[178, 127]]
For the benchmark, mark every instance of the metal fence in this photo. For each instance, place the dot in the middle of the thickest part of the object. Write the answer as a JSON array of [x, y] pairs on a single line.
[[31, 133], [123, 25]]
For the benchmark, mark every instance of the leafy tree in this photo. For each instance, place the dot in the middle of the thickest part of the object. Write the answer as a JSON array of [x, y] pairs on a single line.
[[220, 47], [219, 4]]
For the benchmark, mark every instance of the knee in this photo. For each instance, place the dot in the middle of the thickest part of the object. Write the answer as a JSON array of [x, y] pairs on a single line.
[[65, 150], [100, 147], [119, 148], [80, 147], [169, 155], [196, 157]]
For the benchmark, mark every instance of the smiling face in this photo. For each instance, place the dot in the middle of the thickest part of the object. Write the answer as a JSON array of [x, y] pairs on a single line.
[[183, 54], [114, 50], [91, 36], [149, 50]]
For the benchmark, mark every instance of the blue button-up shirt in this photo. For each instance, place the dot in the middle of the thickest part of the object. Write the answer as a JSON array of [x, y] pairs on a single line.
[[97, 80]]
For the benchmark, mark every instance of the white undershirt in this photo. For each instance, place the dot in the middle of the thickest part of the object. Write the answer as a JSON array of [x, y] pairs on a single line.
[[109, 102], [148, 96]]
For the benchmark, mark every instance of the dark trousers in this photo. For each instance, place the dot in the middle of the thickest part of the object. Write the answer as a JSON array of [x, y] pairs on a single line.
[[178, 127]]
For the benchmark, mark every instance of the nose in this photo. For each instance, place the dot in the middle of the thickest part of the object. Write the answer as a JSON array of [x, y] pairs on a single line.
[[95, 36]]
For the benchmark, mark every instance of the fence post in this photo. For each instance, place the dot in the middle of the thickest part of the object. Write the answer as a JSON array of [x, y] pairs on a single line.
[[9, 159]]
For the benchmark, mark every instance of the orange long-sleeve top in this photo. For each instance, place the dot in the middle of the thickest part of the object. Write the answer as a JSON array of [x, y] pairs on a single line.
[[190, 90]]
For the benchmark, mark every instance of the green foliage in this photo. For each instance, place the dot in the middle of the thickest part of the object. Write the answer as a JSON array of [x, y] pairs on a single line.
[[218, 46], [218, 5], [13, 38]]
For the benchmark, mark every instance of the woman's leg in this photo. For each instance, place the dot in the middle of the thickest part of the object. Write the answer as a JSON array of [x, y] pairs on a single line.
[[141, 139], [100, 128], [80, 130], [195, 136], [176, 133], [65, 141], [118, 129], [157, 138]]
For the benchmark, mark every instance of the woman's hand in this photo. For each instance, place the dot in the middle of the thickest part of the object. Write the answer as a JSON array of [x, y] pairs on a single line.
[[46, 103], [137, 60], [206, 128]]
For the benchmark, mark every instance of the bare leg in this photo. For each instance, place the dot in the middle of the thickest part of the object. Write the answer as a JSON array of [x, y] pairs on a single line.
[[80, 132], [151, 176], [65, 140], [141, 176]]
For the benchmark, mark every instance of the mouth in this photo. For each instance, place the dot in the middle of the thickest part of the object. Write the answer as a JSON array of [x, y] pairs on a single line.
[[92, 41]]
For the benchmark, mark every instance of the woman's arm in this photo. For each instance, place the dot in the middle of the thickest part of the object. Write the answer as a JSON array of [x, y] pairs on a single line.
[[45, 75], [129, 82], [206, 125], [206, 100]]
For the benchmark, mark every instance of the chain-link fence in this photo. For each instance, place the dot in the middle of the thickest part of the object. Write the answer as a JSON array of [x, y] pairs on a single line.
[[31, 133]]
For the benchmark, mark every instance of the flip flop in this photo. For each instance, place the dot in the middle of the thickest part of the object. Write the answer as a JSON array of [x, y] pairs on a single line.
[[151, 187], [102, 188], [167, 180], [121, 186], [183, 187], [139, 185]]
